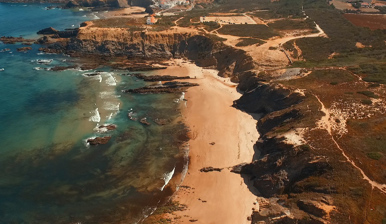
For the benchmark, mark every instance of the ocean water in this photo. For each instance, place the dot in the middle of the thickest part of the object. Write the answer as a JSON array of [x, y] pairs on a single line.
[[49, 174]]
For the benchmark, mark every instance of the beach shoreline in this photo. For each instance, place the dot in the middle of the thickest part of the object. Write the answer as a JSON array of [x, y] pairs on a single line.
[[221, 137]]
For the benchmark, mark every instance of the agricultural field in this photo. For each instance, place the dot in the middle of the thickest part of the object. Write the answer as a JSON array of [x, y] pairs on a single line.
[[373, 22]]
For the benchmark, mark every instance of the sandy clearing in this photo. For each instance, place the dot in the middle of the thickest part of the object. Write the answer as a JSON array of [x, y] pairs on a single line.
[[132, 12], [228, 19]]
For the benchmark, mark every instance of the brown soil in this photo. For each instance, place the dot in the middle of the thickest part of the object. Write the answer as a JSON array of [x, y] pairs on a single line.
[[373, 22]]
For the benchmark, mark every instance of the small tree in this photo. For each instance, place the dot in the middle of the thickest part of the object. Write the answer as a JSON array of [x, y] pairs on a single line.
[[149, 10], [356, 5]]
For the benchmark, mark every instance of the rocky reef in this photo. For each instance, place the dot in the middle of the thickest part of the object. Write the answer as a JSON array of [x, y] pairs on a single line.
[[167, 87]]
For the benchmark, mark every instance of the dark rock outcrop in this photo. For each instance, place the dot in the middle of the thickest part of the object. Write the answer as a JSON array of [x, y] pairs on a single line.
[[99, 140], [42, 40], [157, 78], [266, 98], [109, 127], [144, 121], [5, 50], [312, 207], [13, 40], [168, 87], [72, 4], [142, 3], [47, 31], [67, 33], [210, 169], [21, 49], [62, 68]]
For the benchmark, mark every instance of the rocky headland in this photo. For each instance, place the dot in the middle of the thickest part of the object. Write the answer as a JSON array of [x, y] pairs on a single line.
[[299, 172]]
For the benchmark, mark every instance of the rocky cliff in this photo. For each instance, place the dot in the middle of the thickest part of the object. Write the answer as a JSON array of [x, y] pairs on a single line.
[[297, 170], [204, 51]]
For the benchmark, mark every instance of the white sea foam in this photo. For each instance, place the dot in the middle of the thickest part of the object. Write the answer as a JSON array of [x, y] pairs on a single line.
[[44, 61], [93, 16], [85, 141], [111, 81], [107, 95], [101, 130], [110, 116], [167, 177], [94, 77], [96, 117], [111, 106], [182, 97]]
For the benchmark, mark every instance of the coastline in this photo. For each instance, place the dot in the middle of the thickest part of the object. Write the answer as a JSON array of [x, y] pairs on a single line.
[[211, 119]]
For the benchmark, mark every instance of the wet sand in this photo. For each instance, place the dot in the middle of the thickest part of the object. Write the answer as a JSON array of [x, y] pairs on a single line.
[[214, 197]]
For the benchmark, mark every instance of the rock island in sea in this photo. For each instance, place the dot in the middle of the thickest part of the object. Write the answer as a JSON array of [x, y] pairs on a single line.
[[309, 148]]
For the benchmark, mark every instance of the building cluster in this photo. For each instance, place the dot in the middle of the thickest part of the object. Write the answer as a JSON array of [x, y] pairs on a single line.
[[166, 4]]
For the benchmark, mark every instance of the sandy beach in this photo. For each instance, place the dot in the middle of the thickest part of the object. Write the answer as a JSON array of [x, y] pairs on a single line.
[[221, 137]]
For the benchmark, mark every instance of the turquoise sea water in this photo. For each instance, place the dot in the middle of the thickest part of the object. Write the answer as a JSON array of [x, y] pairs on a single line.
[[48, 172]]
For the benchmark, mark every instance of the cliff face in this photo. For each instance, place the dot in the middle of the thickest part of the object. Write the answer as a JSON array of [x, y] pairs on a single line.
[[205, 52], [296, 169], [122, 42]]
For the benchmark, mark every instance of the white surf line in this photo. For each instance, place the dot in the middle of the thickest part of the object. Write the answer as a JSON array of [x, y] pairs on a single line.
[[325, 123]]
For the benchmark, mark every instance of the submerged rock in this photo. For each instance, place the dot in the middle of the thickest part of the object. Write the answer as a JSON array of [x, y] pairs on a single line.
[[5, 50], [13, 40], [161, 121], [144, 121], [109, 127], [21, 49], [62, 68], [131, 115], [99, 140]]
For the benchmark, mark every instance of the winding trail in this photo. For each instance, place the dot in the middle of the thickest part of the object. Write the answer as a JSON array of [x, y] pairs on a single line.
[[324, 123], [176, 21], [270, 54]]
